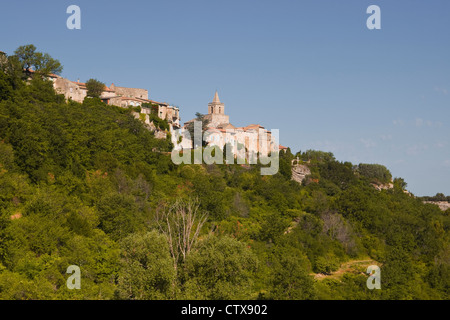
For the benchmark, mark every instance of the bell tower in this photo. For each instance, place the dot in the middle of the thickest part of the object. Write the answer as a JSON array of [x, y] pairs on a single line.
[[216, 113], [216, 107]]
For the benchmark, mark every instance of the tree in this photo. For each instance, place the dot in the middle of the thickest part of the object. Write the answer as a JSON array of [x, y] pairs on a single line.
[[289, 277], [45, 64], [375, 172], [41, 63], [336, 228], [26, 55], [11, 76], [146, 267], [400, 183], [181, 223], [94, 88], [326, 265], [220, 269], [314, 155], [285, 164], [440, 197]]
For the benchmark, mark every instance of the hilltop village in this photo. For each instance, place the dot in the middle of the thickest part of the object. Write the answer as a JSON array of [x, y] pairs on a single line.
[[252, 139], [118, 96], [220, 130]]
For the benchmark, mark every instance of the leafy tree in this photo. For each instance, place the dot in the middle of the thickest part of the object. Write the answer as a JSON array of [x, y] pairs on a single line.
[[94, 88], [285, 164], [5, 86], [290, 279], [41, 63], [315, 156], [375, 172], [400, 184], [341, 174], [147, 270], [273, 227], [326, 265], [220, 269]]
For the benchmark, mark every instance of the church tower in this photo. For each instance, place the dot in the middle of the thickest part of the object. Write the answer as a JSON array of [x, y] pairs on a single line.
[[216, 113], [216, 106]]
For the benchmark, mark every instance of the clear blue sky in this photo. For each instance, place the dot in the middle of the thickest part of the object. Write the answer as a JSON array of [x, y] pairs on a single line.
[[309, 68]]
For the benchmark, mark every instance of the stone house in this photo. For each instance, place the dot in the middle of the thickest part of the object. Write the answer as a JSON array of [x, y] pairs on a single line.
[[118, 96]]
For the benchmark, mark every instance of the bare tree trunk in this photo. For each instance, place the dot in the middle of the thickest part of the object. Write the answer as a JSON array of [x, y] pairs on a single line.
[[181, 223]]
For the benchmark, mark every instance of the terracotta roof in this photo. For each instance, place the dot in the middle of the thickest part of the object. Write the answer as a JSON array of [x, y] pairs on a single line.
[[251, 126], [281, 147], [81, 84], [156, 102]]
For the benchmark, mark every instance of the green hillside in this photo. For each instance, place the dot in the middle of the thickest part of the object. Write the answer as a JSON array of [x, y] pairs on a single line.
[[87, 185]]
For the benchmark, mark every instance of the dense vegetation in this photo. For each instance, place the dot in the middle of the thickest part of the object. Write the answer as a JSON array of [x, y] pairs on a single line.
[[86, 184], [437, 197]]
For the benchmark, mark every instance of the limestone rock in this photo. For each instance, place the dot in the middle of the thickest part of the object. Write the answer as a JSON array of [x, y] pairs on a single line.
[[299, 172], [443, 205], [380, 187]]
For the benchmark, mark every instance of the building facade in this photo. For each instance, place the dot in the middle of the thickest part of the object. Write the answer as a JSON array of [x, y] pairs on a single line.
[[249, 141], [119, 96]]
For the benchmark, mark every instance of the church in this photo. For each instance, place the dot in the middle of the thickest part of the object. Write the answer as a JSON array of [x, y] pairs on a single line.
[[254, 139]]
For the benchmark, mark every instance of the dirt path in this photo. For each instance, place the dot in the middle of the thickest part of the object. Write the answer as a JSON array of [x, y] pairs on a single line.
[[352, 266]]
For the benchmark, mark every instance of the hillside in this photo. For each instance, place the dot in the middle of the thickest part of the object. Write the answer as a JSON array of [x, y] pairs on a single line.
[[87, 184]]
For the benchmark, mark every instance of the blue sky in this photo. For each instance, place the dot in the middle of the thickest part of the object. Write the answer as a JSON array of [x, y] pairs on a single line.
[[309, 68]]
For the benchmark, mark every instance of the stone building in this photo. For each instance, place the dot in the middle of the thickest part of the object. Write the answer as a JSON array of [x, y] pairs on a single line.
[[168, 112], [114, 95], [72, 90], [130, 92], [254, 138], [216, 113], [119, 96]]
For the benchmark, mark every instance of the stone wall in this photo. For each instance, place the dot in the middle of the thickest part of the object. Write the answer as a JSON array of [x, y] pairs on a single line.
[[216, 119], [130, 92], [70, 90]]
